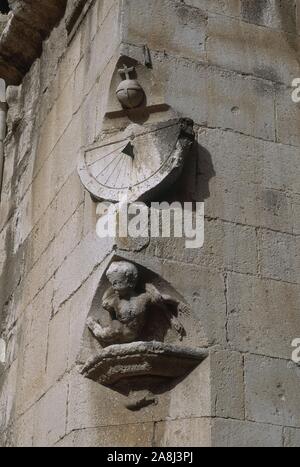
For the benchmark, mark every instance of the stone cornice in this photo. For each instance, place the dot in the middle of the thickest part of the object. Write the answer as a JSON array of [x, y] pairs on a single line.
[[29, 23]]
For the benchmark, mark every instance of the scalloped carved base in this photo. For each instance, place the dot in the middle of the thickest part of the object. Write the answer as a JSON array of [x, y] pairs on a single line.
[[142, 369]]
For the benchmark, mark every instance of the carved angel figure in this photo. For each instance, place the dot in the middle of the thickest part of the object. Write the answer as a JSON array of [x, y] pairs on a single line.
[[128, 308]]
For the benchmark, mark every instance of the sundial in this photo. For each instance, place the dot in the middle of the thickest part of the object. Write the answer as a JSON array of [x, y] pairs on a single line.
[[137, 162]]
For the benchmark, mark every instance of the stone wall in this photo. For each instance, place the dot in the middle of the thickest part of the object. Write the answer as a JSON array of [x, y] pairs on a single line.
[[229, 66]]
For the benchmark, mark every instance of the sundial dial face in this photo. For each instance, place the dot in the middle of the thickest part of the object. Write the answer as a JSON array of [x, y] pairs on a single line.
[[135, 162]]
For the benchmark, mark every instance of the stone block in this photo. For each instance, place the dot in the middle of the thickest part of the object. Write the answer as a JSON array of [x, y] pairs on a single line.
[[69, 237], [279, 256], [203, 289], [193, 432], [72, 191], [69, 62], [246, 180], [79, 306], [78, 266], [271, 13], [296, 212], [54, 49], [270, 391], [8, 202], [50, 416], [58, 346], [184, 85], [218, 98], [4, 251], [23, 430], [43, 233], [186, 32], [79, 91], [227, 385], [226, 8], [249, 204], [102, 47], [246, 48], [232, 103], [291, 438], [42, 192], [46, 140], [14, 265], [33, 354], [8, 387], [227, 246], [192, 397], [90, 216], [297, 14], [39, 275], [288, 117], [64, 159], [280, 171], [272, 304], [92, 405], [234, 433], [63, 108], [88, 117], [229, 155], [127, 436]]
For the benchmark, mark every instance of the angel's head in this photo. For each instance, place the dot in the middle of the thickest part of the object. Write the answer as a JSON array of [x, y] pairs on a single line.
[[123, 276]]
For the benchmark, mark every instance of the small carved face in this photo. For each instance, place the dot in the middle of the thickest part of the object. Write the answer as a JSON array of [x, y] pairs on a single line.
[[122, 275]]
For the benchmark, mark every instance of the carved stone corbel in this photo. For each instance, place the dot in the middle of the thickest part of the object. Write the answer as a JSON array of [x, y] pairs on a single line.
[[140, 335]]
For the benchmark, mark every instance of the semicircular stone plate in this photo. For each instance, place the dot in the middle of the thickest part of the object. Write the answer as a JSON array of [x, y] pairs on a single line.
[[136, 162]]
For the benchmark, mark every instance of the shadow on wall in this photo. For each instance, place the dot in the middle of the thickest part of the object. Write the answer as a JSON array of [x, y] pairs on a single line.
[[193, 185], [4, 7]]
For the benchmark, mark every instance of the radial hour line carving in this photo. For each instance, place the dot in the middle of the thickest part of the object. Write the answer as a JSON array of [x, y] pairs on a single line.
[[104, 157], [115, 168], [104, 169], [135, 164]]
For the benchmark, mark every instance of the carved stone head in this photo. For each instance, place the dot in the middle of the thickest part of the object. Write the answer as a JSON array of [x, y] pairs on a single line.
[[122, 275]]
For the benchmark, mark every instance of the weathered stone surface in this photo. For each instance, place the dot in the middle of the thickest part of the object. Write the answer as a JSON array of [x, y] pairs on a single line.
[[233, 433], [33, 23], [58, 344], [228, 65], [226, 245], [288, 118], [34, 349], [291, 438], [74, 271], [226, 8], [194, 432], [185, 35], [279, 258], [270, 391], [24, 430], [227, 381], [135, 435], [271, 13], [50, 416], [272, 304], [245, 48]]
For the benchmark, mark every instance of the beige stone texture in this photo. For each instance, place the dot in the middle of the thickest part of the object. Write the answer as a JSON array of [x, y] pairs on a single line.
[[229, 66]]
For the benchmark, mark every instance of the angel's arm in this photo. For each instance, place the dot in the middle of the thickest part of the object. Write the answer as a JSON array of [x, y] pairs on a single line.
[[108, 303]]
